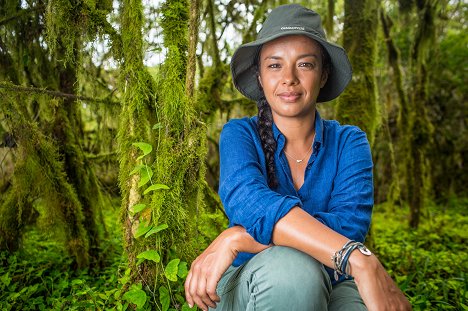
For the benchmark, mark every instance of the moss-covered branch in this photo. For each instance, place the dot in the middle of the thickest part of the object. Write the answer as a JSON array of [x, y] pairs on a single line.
[[24, 89]]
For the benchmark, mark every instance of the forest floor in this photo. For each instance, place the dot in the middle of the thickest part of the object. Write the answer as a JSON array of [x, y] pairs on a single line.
[[429, 264]]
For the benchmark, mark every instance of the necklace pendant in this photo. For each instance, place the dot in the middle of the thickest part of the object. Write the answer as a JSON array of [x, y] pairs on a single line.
[[299, 161]]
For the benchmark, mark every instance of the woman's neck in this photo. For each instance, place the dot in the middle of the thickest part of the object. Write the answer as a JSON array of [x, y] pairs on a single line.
[[299, 132]]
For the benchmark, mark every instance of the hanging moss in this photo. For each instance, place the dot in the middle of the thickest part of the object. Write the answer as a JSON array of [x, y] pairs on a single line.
[[58, 120], [358, 104], [39, 173], [69, 21]]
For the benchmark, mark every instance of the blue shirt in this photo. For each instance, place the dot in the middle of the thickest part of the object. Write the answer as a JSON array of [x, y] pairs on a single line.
[[337, 189]]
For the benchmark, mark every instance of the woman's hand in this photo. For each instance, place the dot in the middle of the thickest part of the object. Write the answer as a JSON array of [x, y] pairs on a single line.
[[207, 269], [377, 289]]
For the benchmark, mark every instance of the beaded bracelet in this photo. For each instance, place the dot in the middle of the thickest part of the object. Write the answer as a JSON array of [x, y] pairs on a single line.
[[341, 257]]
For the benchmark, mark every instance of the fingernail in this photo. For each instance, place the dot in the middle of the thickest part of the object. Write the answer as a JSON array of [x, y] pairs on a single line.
[[191, 306]]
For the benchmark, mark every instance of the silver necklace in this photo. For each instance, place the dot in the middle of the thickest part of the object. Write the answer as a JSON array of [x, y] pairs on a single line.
[[299, 160]]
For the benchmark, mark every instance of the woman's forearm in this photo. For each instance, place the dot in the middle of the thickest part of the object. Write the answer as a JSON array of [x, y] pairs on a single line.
[[301, 231]]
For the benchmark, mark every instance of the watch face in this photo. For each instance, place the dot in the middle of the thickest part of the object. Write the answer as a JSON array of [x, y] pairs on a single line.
[[365, 251]]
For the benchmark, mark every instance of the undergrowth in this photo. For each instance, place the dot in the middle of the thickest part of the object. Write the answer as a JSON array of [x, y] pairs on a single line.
[[429, 264]]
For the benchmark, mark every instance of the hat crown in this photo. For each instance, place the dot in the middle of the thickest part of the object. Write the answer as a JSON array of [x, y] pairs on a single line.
[[292, 17]]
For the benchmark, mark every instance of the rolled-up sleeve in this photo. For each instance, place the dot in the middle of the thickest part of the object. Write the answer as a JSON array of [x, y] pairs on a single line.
[[351, 200], [243, 188]]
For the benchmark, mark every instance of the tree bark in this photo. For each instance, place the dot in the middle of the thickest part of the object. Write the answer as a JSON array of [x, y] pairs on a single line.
[[358, 104]]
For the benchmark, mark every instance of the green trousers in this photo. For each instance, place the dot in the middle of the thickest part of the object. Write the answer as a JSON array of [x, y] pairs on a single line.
[[282, 278]]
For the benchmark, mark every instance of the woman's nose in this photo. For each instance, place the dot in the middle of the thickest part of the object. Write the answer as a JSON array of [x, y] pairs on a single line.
[[290, 77]]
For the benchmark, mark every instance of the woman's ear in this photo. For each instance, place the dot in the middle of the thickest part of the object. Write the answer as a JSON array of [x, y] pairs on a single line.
[[260, 81], [324, 78]]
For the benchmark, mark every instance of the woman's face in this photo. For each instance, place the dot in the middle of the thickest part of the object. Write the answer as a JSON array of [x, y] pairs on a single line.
[[291, 75]]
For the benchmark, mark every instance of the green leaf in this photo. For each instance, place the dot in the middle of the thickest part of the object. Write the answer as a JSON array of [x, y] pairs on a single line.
[[156, 230], [186, 307], [6, 279], [182, 271], [138, 208], [171, 269], [77, 282], [136, 296], [142, 229], [145, 176], [155, 187], [102, 296], [145, 147], [164, 298], [137, 169], [150, 255], [157, 126]]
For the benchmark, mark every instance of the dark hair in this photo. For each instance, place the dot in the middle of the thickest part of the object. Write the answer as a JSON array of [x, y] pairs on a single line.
[[265, 129], [265, 121]]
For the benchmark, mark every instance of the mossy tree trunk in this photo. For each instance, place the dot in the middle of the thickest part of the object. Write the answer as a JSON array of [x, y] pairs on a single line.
[[358, 104], [181, 152], [163, 115], [68, 133], [137, 114], [329, 18], [414, 127], [420, 129]]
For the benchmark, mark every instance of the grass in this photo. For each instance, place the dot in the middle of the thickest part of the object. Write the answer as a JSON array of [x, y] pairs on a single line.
[[429, 264]]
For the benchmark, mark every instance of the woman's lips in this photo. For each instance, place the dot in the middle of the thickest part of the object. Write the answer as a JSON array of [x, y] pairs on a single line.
[[289, 96]]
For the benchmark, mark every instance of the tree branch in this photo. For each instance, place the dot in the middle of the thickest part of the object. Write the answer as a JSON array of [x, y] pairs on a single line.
[[25, 89]]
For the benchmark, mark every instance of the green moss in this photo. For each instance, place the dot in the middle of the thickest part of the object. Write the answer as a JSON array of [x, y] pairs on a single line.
[[69, 22], [40, 173], [358, 104]]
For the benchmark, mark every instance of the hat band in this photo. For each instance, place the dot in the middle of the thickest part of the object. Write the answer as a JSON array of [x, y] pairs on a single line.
[[287, 29]]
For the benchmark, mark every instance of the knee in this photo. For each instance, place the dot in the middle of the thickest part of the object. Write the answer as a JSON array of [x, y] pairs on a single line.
[[293, 274]]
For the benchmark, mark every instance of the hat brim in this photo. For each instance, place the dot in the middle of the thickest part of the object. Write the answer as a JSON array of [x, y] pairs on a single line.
[[244, 73]]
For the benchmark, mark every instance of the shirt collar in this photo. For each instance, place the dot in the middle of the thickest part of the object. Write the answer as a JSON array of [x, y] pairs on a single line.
[[318, 130]]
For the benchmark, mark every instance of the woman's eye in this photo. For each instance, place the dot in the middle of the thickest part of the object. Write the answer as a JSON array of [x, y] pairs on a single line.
[[274, 66], [307, 65]]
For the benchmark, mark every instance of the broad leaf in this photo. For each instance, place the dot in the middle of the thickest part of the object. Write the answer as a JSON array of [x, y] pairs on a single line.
[[137, 169], [186, 307], [182, 270], [171, 269], [142, 229], [136, 296], [145, 175], [164, 298], [156, 187], [156, 230], [157, 126], [149, 255], [138, 208], [145, 147]]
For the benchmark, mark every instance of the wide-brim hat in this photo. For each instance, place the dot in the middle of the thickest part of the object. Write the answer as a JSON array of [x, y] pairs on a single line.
[[290, 19]]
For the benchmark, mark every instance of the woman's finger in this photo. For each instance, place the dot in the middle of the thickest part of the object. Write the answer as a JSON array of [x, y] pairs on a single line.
[[211, 284], [188, 296], [201, 291]]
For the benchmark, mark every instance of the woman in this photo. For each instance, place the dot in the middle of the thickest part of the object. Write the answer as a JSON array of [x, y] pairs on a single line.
[[297, 189]]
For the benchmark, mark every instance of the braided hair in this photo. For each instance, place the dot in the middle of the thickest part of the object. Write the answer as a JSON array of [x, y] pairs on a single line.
[[265, 129], [265, 122]]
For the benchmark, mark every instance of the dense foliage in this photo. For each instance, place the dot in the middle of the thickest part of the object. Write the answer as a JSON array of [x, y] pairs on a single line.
[[428, 265]]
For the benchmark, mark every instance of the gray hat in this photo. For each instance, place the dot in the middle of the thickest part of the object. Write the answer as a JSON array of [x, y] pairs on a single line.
[[291, 19]]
